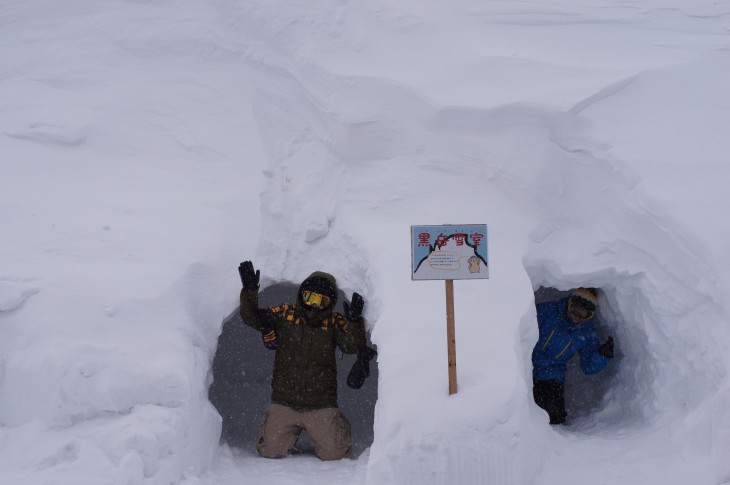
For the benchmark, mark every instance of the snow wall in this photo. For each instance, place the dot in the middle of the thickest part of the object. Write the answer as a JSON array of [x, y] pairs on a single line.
[[562, 212], [121, 261]]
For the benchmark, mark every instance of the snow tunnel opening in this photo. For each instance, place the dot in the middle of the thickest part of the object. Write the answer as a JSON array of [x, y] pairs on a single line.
[[242, 371], [585, 394], [623, 394]]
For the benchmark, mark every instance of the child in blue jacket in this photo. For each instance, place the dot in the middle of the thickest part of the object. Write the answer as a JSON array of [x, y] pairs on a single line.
[[566, 327]]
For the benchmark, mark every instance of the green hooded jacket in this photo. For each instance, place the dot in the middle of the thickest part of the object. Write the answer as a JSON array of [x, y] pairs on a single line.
[[305, 368]]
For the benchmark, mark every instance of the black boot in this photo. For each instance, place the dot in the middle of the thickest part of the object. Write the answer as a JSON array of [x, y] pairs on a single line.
[[550, 396]]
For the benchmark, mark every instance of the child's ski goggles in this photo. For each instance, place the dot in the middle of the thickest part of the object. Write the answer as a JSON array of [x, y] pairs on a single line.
[[580, 302], [316, 300], [580, 308]]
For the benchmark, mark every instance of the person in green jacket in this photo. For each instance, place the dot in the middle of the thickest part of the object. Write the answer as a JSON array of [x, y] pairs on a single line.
[[304, 385]]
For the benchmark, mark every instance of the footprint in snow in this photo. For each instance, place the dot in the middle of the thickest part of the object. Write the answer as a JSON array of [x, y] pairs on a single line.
[[12, 295]]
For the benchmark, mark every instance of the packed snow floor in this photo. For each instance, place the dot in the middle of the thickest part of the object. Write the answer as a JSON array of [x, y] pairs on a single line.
[[231, 468]]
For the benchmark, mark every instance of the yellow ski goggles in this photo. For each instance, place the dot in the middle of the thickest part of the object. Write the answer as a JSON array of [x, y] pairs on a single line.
[[581, 308], [316, 300]]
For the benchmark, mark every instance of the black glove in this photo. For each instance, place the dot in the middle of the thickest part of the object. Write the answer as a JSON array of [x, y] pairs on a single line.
[[361, 368], [606, 348], [353, 310], [249, 279], [269, 337]]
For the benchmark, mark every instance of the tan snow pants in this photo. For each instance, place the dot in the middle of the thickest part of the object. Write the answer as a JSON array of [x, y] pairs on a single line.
[[328, 428]]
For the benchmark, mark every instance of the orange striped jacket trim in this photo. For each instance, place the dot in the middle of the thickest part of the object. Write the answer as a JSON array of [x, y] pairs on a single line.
[[288, 312]]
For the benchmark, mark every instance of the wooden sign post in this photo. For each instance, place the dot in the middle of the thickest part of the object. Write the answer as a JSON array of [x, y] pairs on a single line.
[[451, 335], [449, 252]]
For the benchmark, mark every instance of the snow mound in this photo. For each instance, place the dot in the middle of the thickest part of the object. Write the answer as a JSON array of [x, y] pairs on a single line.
[[150, 147]]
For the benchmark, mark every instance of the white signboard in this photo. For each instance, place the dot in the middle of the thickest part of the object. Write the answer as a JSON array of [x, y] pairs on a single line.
[[449, 252]]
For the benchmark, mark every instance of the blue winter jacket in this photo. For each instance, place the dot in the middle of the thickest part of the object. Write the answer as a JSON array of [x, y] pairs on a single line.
[[559, 340]]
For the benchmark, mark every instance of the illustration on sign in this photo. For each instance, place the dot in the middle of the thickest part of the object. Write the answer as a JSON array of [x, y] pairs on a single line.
[[449, 252]]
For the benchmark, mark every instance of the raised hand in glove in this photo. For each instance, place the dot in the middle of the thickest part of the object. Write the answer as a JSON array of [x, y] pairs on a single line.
[[353, 310], [249, 278], [269, 337], [361, 368], [606, 348]]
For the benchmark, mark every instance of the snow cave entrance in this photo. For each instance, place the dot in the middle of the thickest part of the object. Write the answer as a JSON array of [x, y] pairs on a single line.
[[241, 388], [586, 395], [662, 366]]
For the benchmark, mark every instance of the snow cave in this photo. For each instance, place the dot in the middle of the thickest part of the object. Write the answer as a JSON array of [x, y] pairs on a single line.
[[585, 394], [656, 322], [241, 387]]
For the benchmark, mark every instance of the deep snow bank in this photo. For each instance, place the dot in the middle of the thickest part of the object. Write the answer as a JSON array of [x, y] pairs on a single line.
[[134, 193], [121, 149], [536, 175]]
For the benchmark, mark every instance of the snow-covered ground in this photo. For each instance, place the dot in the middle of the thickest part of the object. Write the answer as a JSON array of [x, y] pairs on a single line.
[[149, 146]]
